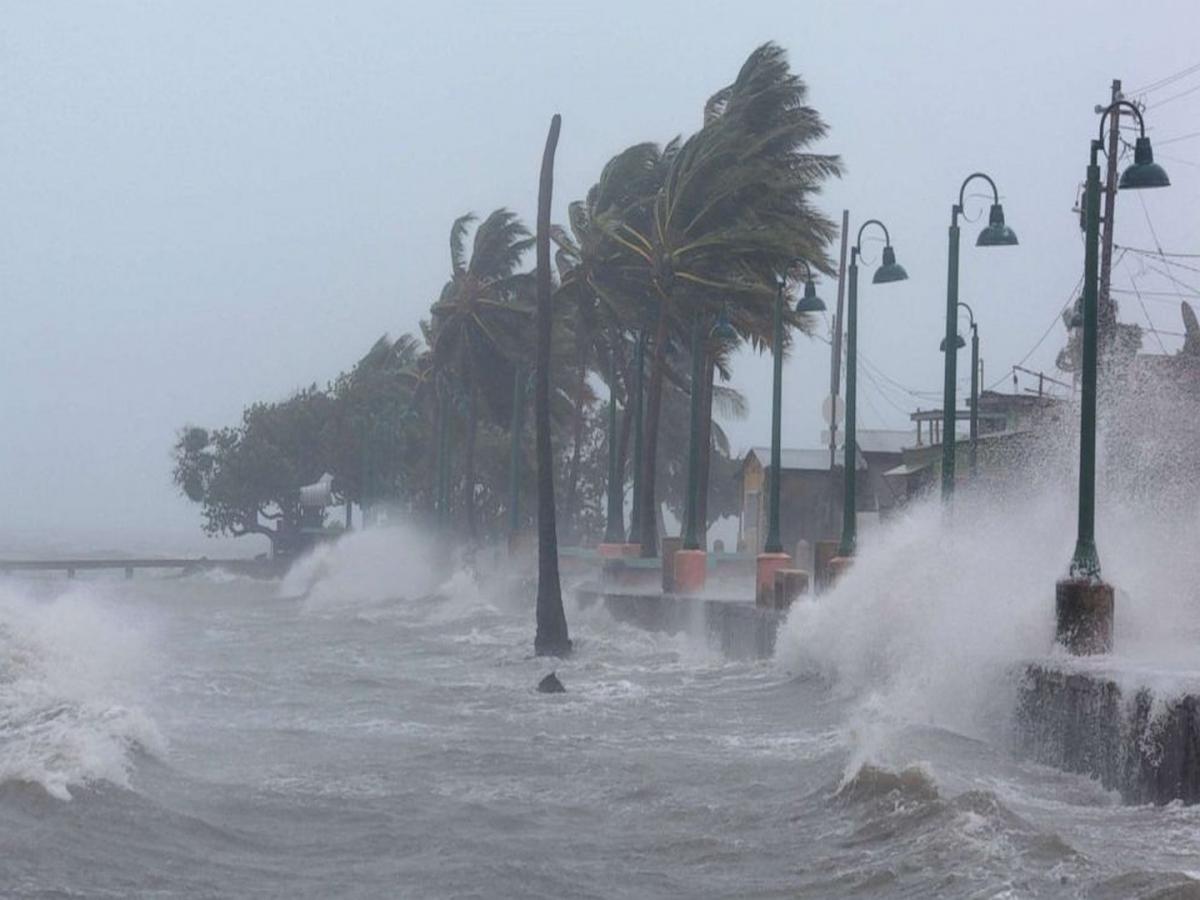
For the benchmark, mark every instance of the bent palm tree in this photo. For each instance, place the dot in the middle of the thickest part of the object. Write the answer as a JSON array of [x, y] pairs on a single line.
[[477, 329], [734, 206]]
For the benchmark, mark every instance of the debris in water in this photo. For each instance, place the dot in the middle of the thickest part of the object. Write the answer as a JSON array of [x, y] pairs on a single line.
[[551, 685]]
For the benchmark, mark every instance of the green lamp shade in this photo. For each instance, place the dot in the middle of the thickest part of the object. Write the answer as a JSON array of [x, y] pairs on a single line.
[[1145, 172], [997, 234], [810, 302], [722, 330], [890, 270], [959, 343]]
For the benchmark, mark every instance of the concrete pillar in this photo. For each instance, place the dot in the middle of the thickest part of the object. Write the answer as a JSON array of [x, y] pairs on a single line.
[[789, 585], [668, 547], [823, 552], [764, 581], [129, 571], [1084, 615], [691, 571], [838, 566], [804, 554]]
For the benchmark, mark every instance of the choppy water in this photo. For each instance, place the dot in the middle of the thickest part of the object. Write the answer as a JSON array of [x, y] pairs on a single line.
[[344, 735]]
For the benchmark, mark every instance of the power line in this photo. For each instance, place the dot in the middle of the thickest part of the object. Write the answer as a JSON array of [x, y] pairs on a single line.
[[1182, 137], [1146, 312], [1159, 295], [1167, 80], [1166, 100], [1159, 252], [1045, 334]]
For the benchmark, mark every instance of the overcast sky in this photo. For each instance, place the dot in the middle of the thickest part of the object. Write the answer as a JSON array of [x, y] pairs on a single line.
[[205, 204]]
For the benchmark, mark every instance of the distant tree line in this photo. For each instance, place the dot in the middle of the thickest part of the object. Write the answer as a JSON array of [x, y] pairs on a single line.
[[670, 240]]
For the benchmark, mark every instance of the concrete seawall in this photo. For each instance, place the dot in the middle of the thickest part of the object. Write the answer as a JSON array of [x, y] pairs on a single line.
[[737, 628], [1147, 747]]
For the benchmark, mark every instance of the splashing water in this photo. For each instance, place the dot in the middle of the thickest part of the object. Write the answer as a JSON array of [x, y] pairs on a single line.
[[68, 666], [933, 621]]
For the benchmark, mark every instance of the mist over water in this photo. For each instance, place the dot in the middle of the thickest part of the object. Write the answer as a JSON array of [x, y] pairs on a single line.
[[368, 725]]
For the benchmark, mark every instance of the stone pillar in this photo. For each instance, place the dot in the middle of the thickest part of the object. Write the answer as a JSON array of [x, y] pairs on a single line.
[[668, 547], [823, 552], [1084, 615], [764, 581], [789, 585], [691, 571]]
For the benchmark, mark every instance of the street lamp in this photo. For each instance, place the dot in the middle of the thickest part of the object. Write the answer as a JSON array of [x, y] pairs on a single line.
[[635, 517], [691, 562], [614, 530], [1083, 602], [809, 303], [996, 234], [959, 343], [773, 558], [888, 272], [722, 330]]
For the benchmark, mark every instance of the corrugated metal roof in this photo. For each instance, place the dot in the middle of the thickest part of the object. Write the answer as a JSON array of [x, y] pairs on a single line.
[[800, 460], [884, 440]]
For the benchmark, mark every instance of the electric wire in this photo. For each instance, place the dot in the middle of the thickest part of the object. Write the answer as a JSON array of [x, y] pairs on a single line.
[[1167, 80]]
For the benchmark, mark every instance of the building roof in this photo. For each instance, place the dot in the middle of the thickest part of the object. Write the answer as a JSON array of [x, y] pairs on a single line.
[[799, 460], [884, 440]]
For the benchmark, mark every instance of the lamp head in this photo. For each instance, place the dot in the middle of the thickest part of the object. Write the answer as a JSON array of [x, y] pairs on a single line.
[[959, 343], [1145, 172], [890, 270], [723, 330], [810, 302], [997, 234]]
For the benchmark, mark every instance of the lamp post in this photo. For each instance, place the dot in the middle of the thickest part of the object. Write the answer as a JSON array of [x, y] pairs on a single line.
[[614, 530], [773, 557], [635, 518], [959, 343], [996, 234], [691, 561], [1083, 602], [889, 271]]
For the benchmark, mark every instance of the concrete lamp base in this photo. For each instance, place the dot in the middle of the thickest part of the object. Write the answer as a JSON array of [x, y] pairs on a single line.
[[691, 570], [619, 551], [823, 552], [838, 566], [789, 585], [764, 580], [1084, 615]]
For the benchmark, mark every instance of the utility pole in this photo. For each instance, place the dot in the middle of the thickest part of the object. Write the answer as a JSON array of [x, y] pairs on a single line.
[[1108, 314], [836, 356]]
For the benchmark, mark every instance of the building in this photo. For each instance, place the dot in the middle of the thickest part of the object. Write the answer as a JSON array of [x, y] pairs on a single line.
[[810, 500]]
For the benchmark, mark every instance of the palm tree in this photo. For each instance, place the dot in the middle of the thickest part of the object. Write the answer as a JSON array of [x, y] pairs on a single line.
[[733, 207], [477, 329], [598, 314], [551, 638]]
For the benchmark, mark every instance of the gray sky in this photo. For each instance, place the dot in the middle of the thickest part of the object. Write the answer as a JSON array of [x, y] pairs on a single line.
[[205, 204]]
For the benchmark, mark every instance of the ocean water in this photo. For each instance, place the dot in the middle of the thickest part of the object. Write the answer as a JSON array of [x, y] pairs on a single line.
[[367, 728]]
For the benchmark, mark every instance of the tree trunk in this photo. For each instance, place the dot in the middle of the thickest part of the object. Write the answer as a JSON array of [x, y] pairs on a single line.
[[469, 462], [648, 508], [705, 451], [626, 412], [551, 638], [570, 512]]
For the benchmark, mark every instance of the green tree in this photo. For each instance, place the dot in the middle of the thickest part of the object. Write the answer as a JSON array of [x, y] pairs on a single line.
[[478, 328], [247, 478], [734, 206]]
